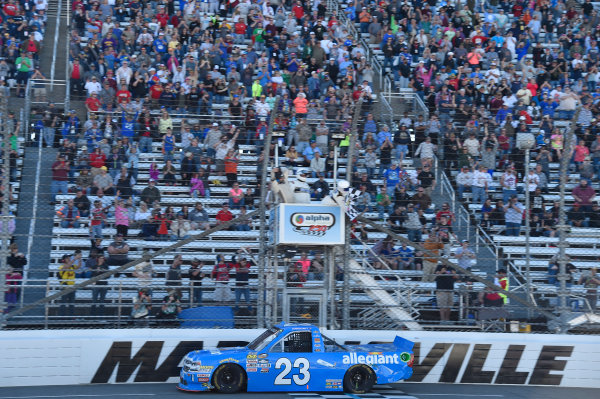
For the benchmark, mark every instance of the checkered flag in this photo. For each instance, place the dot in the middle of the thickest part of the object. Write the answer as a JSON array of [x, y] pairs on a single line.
[[351, 198]]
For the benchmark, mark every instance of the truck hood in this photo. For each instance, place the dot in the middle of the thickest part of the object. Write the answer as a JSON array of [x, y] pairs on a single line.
[[236, 352]]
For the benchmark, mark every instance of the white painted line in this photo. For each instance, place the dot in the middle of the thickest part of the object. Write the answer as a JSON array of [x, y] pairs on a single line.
[[56, 34], [33, 214], [77, 396]]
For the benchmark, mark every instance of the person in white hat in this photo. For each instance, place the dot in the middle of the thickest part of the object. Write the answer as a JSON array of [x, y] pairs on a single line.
[[300, 187], [213, 137]]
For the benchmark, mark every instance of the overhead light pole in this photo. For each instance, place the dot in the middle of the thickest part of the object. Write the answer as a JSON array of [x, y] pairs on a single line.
[[526, 141]]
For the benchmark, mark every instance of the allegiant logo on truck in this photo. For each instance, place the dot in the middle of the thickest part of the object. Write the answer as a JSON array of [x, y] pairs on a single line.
[[353, 358]]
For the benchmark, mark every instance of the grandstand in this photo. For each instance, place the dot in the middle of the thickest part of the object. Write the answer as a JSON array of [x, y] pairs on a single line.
[[258, 78]]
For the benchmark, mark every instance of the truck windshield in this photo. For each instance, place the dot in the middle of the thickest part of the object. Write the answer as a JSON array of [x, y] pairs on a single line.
[[264, 339], [331, 345]]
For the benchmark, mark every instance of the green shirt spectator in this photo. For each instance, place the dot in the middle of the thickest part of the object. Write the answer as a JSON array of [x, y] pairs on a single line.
[[23, 64]]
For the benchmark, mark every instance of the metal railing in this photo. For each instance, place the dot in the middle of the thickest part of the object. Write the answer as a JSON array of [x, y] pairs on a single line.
[[55, 45], [409, 97], [37, 94]]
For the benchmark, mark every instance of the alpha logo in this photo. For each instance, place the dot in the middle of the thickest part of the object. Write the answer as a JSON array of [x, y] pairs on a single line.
[[315, 224], [353, 358]]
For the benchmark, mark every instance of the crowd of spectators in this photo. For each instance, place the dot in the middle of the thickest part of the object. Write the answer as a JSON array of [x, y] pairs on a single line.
[[195, 80], [22, 30], [143, 67], [488, 71]]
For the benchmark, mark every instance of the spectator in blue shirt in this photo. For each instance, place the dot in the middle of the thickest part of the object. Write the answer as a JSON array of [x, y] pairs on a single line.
[[406, 257], [502, 114], [370, 125], [384, 134], [309, 152], [93, 136], [344, 65], [160, 45], [128, 125], [392, 176]]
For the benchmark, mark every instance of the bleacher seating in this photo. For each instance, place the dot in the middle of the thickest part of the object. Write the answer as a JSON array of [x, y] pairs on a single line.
[[227, 243]]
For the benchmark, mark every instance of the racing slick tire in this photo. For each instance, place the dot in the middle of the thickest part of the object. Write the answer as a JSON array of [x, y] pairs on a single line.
[[229, 378], [359, 379]]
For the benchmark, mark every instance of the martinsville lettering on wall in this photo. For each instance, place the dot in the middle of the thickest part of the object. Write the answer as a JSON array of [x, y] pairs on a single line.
[[66, 357], [143, 365]]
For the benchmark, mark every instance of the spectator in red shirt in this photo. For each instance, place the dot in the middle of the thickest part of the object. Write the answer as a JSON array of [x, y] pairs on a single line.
[[176, 19], [162, 17], [298, 11], [445, 211], [224, 215], [220, 274], [60, 177], [110, 79], [239, 32], [583, 195], [97, 160], [10, 9], [156, 91], [123, 95], [92, 103]]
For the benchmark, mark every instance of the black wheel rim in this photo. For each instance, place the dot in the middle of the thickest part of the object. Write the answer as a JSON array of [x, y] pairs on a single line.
[[228, 378], [359, 379]]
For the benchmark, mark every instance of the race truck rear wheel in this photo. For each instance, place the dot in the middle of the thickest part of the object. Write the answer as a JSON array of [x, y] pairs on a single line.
[[359, 379], [229, 378]]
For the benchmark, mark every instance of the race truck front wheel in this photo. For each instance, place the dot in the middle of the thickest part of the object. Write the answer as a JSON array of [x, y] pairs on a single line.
[[359, 379], [229, 378]]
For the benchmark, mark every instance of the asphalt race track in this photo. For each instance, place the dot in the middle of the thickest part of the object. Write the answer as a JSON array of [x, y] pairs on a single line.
[[394, 391]]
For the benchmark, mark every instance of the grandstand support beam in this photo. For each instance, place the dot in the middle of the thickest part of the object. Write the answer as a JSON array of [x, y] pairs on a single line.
[[330, 262], [562, 227], [262, 250], [550, 316], [144, 258], [4, 234], [526, 142], [349, 168], [271, 274]]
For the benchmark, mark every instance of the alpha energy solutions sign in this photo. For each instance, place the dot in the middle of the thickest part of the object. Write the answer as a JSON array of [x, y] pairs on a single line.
[[304, 224]]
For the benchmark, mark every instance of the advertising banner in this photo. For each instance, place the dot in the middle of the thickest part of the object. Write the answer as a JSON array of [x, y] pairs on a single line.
[[307, 224], [153, 355]]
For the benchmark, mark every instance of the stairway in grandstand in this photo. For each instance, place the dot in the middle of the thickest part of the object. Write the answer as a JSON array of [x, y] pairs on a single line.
[[396, 306], [34, 215], [34, 227]]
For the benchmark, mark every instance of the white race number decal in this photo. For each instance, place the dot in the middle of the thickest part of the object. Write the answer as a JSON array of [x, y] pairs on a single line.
[[302, 364], [300, 379], [287, 367]]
